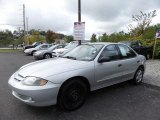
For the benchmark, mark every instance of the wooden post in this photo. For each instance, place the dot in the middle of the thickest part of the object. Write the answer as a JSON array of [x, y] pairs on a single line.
[[155, 42]]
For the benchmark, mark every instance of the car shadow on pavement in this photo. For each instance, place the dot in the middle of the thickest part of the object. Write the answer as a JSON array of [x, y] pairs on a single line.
[[95, 96], [117, 101]]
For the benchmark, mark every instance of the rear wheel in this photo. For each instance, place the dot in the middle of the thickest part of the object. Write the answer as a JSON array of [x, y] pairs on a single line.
[[138, 77], [47, 56], [72, 94], [148, 56]]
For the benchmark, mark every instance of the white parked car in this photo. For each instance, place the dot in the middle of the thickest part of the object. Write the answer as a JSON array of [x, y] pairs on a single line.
[[69, 47]]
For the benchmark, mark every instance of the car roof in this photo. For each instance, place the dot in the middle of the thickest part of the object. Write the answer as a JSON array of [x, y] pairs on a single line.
[[104, 43]]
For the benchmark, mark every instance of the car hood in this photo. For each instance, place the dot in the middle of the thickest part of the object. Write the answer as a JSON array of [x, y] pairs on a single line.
[[60, 50], [51, 67], [31, 49]]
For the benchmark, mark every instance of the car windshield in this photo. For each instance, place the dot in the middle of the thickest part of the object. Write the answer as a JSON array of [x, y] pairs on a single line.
[[126, 42], [38, 46], [52, 47], [34, 43], [71, 45], [84, 52]]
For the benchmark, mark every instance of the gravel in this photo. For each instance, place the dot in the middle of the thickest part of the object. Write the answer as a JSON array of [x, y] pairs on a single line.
[[152, 74]]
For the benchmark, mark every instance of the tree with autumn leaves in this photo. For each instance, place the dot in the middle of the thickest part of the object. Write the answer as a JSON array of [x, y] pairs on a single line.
[[52, 36]]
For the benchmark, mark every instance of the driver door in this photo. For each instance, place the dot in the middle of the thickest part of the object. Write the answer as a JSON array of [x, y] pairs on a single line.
[[108, 73]]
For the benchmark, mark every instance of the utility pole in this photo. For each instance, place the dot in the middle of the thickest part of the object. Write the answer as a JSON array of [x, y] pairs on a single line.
[[27, 30], [79, 16], [24, 24]]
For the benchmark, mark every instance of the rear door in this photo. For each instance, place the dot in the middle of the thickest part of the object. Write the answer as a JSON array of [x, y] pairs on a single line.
[[129, 61]]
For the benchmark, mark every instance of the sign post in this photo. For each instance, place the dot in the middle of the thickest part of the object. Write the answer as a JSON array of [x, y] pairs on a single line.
[[155, 42], [79, 17], [79, 30]]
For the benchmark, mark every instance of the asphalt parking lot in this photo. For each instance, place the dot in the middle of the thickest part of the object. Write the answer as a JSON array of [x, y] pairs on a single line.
[[119, 102]]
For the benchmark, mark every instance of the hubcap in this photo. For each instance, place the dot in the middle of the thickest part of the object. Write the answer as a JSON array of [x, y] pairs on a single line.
[[47, 56], [74, 95], [139, 76], [148, 56]]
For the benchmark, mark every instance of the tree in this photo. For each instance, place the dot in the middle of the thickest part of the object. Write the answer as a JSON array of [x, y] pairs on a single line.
[[93, 38], [51, 36], [35, 36], [6, 38], [143, 21], [69, 38]]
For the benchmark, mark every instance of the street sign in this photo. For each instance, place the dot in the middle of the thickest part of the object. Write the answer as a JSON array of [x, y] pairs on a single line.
[[79, 30], [158, 34], [155, 42]]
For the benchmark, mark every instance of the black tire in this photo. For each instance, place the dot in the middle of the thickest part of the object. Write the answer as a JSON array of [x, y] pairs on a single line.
[[47, 56], [138, 77], [72, 95], [148, 56]]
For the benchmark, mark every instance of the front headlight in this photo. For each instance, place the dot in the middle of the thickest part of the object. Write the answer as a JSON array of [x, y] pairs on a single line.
[[34, 81]]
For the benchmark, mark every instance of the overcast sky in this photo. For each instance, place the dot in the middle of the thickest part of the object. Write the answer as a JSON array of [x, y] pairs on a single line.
[[59, 15]]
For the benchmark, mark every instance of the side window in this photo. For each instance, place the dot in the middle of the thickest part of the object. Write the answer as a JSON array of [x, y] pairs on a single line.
[[126, 52], [60, 46], [110, 52], [44, 46]]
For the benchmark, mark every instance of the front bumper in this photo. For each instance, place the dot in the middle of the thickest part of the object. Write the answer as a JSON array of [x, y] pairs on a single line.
[[55, 54], [27, 52], [34, 95]]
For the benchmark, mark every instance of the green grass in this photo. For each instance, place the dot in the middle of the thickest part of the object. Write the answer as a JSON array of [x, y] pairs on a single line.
[[9, 50]]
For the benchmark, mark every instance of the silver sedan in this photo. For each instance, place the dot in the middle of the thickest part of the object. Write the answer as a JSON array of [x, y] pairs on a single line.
[[67, 80], [47, 53], [31, 51]]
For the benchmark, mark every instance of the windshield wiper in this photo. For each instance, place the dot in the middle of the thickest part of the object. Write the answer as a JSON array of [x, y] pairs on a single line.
[[70, 57]]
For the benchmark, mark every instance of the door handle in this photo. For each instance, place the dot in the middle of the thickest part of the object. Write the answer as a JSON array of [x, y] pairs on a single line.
[[119, 65], [138, 61]]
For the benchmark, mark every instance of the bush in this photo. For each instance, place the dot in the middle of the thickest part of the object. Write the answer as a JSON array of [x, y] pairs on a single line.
[[151, 42]]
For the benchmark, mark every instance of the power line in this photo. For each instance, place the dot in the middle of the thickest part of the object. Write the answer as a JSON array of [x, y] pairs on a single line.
[[10, 25]]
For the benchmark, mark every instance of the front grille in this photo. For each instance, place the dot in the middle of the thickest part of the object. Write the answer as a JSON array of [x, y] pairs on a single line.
[[18, 77]]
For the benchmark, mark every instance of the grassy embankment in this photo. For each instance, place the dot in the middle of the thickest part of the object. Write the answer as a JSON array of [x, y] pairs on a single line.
[[10, 50]]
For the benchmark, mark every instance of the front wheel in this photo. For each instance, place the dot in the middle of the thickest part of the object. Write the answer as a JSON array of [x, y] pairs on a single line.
[[138, 77], [72, 94], [47, 56]]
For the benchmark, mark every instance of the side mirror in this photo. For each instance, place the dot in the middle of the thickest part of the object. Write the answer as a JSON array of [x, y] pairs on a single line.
[[104, 59]]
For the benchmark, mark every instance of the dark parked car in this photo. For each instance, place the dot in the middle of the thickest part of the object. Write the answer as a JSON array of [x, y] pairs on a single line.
[[32, 46], [137, 46]]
